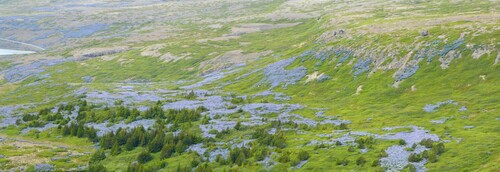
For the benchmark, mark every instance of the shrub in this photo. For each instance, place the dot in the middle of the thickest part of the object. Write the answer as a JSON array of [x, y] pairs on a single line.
[[98, 156], [351, 149], [375, 163], [303, 155], [427, 143], [144, 157], [360, 161], [439, 148], [415, 158], [343, 162], [97, 167], [432, 157], [411, 168]]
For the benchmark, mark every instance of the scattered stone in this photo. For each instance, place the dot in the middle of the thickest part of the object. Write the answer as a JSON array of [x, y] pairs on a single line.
[[301, 163], [439, 121], [277, 96], [468, 127], [45, 127], [219, 151], [103, 128], [198, 148], [413, 88], [361, 66], [214, 76], [424, 33], [413, 137], [217, 125], [463, 108], [44, 168], [483, 77], [276, 74], [432, 107], [358, 90], [407, 72]]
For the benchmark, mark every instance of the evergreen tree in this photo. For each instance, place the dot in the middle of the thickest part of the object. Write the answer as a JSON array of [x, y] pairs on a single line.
[[99, 155], [116, 149], [97, 167], [130, 144], [237, 126], [66, 131], [80, 132], [157, 143], [240, 159], [167, 151]]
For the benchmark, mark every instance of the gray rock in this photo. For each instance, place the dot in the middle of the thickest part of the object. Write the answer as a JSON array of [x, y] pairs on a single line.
[[276, 74], [463, 108], [407, 72], [432, 107], [87, 79], [439, 121], [424, 33], [469, 127], [44, 168], [323, 77], [361, 66]]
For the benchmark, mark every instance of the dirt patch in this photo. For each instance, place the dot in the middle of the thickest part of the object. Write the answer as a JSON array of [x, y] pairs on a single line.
[[154, 51], [314, 76], [291, 16], [387, 27], [231, 58], [477, 53], [98, 52], [246, 28]]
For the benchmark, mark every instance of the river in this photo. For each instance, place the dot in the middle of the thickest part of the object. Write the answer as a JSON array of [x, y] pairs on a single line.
[[13, 52]]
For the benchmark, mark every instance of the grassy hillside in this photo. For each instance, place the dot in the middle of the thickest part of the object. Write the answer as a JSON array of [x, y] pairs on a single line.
[[256, 86]]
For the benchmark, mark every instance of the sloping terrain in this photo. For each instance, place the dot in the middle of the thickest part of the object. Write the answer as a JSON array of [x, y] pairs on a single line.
[[250, 85]]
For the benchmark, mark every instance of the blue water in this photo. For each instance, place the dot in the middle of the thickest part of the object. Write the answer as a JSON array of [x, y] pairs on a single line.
[[13, 52]]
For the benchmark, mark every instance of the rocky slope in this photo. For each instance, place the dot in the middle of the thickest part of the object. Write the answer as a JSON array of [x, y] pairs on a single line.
[[299, 85]]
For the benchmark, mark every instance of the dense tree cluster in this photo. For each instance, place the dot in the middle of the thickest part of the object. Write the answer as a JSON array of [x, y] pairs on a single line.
[[264, 138], [79, 130]]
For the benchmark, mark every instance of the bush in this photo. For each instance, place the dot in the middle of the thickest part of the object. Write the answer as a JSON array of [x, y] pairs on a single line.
[[382, 154], [343, 162], [402, 142], [415, 158], [98, 156], [360, 161], [97, 168], [432, 157], [351, 149], [411, 168], [427, 143], [375, 163], [439, 148], [303, 155], [284, 158], [144, 157]]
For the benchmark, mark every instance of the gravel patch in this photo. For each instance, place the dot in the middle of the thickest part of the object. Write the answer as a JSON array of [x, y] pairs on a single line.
[[275, 74], [277, 96], [432, 107], [361, 66], [46, 127]]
